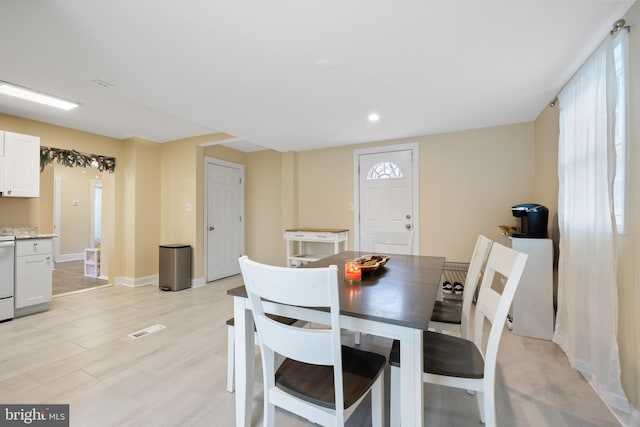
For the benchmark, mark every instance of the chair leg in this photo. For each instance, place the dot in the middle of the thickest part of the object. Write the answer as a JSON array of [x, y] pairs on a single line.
[[394, 390], [231, 372], [377, 402], [356, 338], [481, 408]]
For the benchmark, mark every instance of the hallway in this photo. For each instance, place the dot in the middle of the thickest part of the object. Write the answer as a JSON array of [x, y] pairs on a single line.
[[69, 277]]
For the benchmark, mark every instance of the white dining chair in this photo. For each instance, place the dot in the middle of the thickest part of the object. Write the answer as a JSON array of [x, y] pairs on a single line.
[[450, 316], [320, 379], [469, 364], [393, 242], [231, 365]]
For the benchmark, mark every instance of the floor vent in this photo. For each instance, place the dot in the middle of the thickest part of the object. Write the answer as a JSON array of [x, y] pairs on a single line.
[[146, 331]]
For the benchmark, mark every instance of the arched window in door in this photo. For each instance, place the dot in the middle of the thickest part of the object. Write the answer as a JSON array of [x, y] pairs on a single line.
[[384, 170]]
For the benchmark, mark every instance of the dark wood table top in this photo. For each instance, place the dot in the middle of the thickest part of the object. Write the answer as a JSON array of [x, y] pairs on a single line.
[[403, 292]]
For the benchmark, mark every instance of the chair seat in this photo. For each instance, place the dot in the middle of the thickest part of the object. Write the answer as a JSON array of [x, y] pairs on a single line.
[[447, 312], [314, 383], [281, 319], [446, 355]]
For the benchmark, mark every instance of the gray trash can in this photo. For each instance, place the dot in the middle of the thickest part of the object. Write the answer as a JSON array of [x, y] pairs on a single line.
[[175, 267]]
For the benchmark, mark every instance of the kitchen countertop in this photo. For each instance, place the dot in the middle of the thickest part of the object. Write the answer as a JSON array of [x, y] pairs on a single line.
[[21, 233], [35, 236]]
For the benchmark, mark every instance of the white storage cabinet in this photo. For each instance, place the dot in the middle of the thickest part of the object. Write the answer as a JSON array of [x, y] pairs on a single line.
[[299, 254], [92, 262], [532, 307], [19, 165], [33, 275]]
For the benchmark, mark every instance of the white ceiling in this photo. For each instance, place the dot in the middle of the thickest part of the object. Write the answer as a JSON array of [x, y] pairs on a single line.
[[295, 74]]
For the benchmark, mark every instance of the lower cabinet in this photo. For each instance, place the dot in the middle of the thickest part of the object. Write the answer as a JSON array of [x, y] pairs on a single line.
[[33, 275]]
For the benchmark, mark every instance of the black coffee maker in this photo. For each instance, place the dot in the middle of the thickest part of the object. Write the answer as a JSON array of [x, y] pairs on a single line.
[[531, 220]]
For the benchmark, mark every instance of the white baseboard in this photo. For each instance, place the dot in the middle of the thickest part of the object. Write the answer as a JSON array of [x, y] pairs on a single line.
[[139, 281], [199, 282], [70, 257], [152, 280]]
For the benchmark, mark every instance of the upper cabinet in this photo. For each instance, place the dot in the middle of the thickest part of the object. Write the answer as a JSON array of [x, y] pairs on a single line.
[[19, 165]]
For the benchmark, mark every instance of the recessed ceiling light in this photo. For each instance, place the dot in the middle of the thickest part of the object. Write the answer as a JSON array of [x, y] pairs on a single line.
[[374, 117], [31, 95]]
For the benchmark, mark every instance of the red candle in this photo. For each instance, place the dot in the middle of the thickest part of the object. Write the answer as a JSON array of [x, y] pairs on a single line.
[[352, 271]]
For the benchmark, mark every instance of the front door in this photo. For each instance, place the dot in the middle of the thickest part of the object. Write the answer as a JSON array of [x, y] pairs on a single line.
[[386, 193], [224, 219]]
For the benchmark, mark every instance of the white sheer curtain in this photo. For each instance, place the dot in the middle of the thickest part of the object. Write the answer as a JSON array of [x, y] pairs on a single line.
[[586, 324]]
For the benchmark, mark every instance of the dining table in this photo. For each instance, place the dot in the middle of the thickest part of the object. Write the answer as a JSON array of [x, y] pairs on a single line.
[[394, 301]]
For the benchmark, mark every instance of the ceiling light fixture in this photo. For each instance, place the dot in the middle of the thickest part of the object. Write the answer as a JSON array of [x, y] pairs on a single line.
[[31, 95], [374, 117]]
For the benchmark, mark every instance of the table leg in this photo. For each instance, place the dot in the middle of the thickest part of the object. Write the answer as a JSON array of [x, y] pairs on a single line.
[[411, 388], [244, 349]]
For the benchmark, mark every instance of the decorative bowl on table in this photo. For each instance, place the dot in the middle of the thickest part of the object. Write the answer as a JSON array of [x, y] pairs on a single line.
[[371, 263]]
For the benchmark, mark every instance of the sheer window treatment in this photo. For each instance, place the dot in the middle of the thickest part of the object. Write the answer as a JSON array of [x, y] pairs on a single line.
[[586, 323]]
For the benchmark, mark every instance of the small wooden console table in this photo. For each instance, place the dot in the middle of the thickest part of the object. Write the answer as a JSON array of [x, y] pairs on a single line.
[[297, 255]]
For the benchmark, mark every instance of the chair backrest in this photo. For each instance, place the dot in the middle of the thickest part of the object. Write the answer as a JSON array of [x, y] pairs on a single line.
[[478, 260], [302, 287], [393, 242], [492, 305]]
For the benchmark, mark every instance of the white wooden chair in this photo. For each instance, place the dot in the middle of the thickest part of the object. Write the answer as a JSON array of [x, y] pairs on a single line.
[[460, 363], [448, 316], [231, 374], [393, 242], [320, 379]]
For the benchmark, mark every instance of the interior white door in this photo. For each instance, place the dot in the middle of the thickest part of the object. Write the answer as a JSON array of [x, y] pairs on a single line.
[[224, 218], [387, 187]]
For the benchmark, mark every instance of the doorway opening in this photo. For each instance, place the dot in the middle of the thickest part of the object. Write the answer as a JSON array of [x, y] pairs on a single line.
[[78, 223]]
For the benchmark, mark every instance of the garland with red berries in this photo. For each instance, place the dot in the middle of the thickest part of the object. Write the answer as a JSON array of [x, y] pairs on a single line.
[[73, 158]]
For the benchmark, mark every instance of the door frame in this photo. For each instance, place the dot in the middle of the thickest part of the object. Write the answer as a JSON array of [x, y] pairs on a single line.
[[95, 183], [415, 161], [57, 194], [225, 163]]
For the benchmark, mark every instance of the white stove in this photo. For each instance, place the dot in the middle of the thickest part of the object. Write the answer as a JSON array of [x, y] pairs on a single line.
[[7, 262]]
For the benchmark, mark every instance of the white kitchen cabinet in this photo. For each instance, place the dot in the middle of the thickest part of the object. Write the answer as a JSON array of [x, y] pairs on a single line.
[[19, 165], [33, 275], [299, 253]]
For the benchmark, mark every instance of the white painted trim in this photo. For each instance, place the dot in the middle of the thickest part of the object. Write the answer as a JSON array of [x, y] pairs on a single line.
[[414, 146], [140, 281], [198, 283], [80, 291], [70, 257], [57, 191]]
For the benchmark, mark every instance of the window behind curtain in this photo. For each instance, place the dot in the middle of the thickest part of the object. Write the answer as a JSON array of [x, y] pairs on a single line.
[[620, 52]]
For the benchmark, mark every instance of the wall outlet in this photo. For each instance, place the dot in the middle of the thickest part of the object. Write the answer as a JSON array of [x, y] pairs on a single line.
[[188, 207]]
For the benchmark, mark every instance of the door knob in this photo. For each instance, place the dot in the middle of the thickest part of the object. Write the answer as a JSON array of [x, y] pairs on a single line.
[[211, 228], [407, 216], [408, 226]]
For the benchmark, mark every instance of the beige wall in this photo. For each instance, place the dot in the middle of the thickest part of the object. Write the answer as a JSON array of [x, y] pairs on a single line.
[[546, 189], [263, 207], [468, 183], [75, 219], [182, 182]]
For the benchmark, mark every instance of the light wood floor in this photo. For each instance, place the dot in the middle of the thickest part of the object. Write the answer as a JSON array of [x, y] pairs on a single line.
[[78, 353]]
